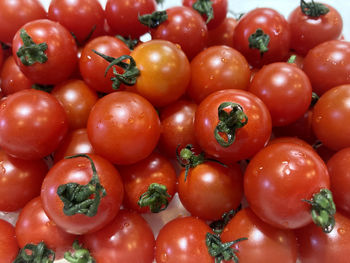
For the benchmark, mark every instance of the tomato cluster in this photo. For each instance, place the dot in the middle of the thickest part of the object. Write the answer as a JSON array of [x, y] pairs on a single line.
[[245, 121]]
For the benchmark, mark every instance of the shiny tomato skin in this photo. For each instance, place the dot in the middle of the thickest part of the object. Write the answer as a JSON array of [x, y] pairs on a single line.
[[307, 32], [316, 246], [164, 72], [278, 178], [16, 13], [223, 33], [295, 140], [123, 127], [61, 52], [217, 68], [8, 242], [33, 123], [78, 170], [328, 65], [330, 118], [33, 226], [139, 176], [273, 24], [249, 139], [285, 89], [183, 240], [210, 189], [265, 243], [128, 238]]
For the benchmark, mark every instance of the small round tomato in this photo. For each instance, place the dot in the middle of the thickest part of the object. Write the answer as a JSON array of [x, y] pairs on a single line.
[[8, 242], [33, 226], [128, 238], [183, 240], [277, 180], [33, 123], [330, 118], [262, 49], [290, 140], [80, 199], [222, 34], [164, 72], [77, 99], [123, 127], [328, 65], [54, 61], [285, 89], [217, 68], [264, 243]]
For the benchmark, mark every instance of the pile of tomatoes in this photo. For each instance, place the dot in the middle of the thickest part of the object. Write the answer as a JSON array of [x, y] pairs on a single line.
[[244, 120]]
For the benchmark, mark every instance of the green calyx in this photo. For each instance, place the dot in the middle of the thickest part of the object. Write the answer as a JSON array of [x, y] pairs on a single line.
[[313, 9], [229, 123], [31, 253], [131, 43], [156, 198], [131, 72], [82, 199], [259, 40], [204, 7], [30, 52], [219, 225], [79, 255], [153, 20], [222, 251], [323, 210]]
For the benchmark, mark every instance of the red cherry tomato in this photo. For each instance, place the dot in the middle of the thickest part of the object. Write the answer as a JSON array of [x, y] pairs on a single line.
[[223, 33], [8, 242]]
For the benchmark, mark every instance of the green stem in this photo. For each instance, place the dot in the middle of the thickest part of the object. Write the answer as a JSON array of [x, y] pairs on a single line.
[[219, 225], [313, 9], [82, 199], [153, 20], [292, 59], [87, 38], [79, 255], [131, 43], [30, 52], [204, 7], [314, 99], [229, 123], [37, 254], [259, 40], [46, 88], [156, 198]]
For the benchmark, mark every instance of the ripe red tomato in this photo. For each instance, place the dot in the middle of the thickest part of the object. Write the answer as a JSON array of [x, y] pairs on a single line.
[[139, 176], [79, 171], [183, 240], [309, 31], [223, 33], [271, 23], [264, 244], [128, 238], [330, 118], [285, 89], [33, 226], [328, 65], [8, 242], [278, 178], [20, 181], [248, 139], [123, 127], [164, 72], [60, 52], [15, 13], [217, 68], [77, 99], [290, 140], [33, 123]]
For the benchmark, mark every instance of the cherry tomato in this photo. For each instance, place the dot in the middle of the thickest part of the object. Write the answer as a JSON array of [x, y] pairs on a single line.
[[78, 170], [330, 118], [123, 127], [264, 243], [223, 33], [328, 65], [272, 24], [15, 13], [290, 140], [309, 31], [33, 226], [128, 238], [33, 123], [217, 68], [285, 89], [61, 52], [8, 242], [139, 176], [77, 100], [183, 240], [278, 178]]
